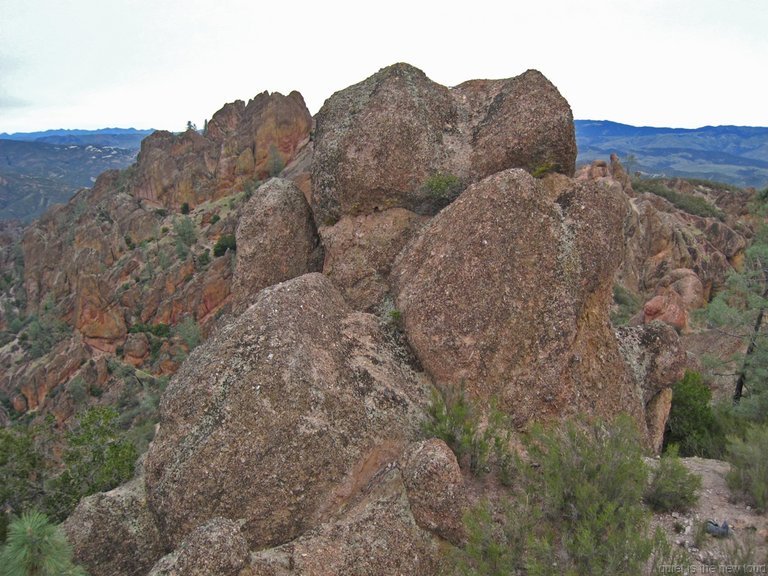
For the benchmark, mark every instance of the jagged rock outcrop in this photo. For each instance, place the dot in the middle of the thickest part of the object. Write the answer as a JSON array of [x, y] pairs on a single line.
[[215, 549], [507, 292], [378, 142], [376, 536], [242, 142], [661, 239], [113, 533], [280, 417], [276, 240]]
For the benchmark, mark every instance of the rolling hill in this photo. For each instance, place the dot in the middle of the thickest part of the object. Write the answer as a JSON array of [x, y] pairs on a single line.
[[736, 155]]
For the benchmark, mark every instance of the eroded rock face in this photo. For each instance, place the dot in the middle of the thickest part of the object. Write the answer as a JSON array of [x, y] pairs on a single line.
[[242, 142], [113, 533], [377, 536], [378, 142], [276, 240], [280, 417], [507, 291]]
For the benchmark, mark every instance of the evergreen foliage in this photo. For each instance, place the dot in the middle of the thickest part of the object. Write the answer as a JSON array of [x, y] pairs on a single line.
[[692, 425], [35, 547]]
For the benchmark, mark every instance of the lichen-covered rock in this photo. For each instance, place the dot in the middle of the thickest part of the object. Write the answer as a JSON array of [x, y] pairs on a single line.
[[435, 488], [377, 143], [376, 536], [276, 240], [215, 549], [281, 416], [507, 291], [360, 250], [113, 533]]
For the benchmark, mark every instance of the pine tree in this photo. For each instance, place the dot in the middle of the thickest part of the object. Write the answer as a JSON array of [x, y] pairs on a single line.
[[35, 547]]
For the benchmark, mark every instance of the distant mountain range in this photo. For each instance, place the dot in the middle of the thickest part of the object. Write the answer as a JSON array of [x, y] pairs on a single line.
[[732, 154], [38, 169]]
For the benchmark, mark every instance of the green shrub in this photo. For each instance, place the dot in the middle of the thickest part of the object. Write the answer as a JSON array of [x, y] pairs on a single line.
[[692, 424], [672, 486], [185, 230], [97, 458], [129, 242], [36, 547], [224, 243], [456, 422], [185, 208], [541, 170], [749, 465], [575, 510], [204, 258], [627, 305], [215, 218], [189, 332]]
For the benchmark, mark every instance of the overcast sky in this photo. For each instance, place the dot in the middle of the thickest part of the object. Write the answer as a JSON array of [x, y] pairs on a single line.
[[159, 63]]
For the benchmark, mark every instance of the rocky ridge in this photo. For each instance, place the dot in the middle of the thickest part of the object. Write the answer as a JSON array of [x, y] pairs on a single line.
[[289, 440]]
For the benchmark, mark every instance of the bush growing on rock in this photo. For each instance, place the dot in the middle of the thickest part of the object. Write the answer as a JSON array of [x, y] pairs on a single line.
[[226, 242]]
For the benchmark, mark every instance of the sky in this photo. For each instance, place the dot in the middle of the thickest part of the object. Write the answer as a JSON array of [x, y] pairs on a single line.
[[160, 63]]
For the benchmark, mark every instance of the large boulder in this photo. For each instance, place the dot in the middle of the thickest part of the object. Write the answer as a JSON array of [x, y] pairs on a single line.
[[113, 533], [377, 143], [435, 489], [280, 417], [507, 290], [656, 359], [276, 240]]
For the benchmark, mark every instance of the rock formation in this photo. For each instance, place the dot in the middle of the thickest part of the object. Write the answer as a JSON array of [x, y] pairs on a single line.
[[280, 417], [289, 440], [378, 142]]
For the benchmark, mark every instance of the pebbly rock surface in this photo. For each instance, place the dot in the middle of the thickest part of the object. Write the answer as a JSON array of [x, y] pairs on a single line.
[[376, 536], [657, 360], [435, 488], [378, 142], [280, 417], [215, 549], [276, 240]]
